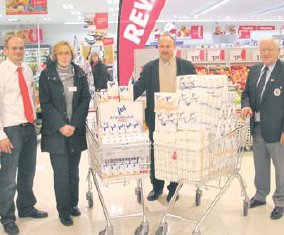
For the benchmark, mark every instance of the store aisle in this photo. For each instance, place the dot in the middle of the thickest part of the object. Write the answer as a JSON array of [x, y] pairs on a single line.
[[226, 218]]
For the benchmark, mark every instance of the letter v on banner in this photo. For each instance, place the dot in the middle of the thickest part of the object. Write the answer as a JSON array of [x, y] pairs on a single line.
[[136, 20]]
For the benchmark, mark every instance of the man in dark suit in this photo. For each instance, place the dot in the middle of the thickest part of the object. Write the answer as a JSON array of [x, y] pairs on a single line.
[[263, 101], [160, 76]]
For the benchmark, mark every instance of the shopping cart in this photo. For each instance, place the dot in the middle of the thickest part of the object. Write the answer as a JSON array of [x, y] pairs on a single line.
[[117, 164], [220, 160]]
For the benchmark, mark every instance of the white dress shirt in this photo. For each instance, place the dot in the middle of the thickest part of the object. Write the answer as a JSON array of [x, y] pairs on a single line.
[[11, 102], [269, 71]]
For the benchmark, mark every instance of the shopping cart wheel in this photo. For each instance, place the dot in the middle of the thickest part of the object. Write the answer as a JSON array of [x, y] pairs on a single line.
[[196, 232], [245, 207], [89, 197], [107, 231], [248, 148], [142, 230], [163, 229], [138, 193], [198, 196]]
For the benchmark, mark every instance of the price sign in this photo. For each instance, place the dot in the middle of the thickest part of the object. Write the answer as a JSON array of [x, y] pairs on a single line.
[[216, 55], [238, 54], [196, 55], [255, 55]]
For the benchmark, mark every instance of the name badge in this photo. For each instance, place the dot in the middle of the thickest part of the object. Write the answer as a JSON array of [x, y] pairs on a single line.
[[72, 89], [277, 92]]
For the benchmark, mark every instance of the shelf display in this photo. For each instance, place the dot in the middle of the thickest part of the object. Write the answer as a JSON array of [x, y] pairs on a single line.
[[219, 70], [32, 57], [239, 74], [201, 69]]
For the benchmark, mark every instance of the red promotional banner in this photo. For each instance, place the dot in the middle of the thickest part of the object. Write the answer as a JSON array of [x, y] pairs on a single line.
[[256, 27], [101, 20], [197, 32], [31, 7], [136, 21]]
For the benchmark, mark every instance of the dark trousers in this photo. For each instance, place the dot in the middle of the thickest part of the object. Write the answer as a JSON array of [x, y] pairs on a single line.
[[66, 179], [23, 158], [158, 184]]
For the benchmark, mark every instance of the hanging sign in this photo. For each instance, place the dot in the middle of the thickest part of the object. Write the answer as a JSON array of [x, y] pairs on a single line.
[[26, 7], [136, 21]]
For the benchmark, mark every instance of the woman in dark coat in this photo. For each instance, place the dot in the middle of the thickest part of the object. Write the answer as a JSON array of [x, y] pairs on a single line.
[[99, 71], [64, 99]]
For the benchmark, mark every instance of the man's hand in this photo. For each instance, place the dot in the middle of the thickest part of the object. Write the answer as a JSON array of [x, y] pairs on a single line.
[[282, 138], [67, 130], [246, 111], [6, 146]]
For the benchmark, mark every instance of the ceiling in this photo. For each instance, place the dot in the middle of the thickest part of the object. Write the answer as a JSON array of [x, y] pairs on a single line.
[[174, 10]]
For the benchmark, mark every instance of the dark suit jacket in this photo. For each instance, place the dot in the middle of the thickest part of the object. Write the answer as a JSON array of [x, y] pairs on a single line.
[[149, 81], [272, 104], [53, 104]]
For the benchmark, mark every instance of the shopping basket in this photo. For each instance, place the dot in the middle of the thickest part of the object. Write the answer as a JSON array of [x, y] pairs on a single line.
[[220, 160], [117, 163]]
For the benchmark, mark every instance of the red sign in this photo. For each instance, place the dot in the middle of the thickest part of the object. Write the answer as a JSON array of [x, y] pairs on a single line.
[[266, 27], [244, 34], [35, 35], [101, 20], [136, 21], [247, 27], [16, 7], [108, 41], [256, 27], [39, 2], [197, 32]]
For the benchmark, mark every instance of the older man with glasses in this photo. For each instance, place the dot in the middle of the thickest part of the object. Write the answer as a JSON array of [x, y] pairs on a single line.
[[263, 101]]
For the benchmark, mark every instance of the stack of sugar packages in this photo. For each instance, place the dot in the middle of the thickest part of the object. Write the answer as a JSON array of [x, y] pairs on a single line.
[[206, 113], [166, 114]]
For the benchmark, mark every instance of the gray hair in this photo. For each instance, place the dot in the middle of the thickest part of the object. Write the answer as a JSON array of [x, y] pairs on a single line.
[[162, 36], [271, 39]]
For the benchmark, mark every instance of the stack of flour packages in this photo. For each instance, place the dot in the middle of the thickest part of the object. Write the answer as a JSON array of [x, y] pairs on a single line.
[[120, 141], [201, 111]]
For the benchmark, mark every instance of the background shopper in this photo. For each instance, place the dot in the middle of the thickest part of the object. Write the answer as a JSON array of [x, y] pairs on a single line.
[[18, 142], [99, 71], [263, 101], [64, 99], [160, 76]]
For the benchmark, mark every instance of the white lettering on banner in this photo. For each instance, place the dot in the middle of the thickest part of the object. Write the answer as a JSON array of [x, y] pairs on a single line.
[[144, 6], [138, 19], [132, 33]]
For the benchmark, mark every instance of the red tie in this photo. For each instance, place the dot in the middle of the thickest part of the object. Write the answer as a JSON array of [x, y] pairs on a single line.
[[29, 113]]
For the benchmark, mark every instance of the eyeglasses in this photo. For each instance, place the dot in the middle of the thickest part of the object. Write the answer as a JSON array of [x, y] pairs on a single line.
[[16, 48], [64, 53], [269, 50]]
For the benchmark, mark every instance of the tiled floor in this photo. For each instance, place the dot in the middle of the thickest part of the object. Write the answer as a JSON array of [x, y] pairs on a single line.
[[225, 219]]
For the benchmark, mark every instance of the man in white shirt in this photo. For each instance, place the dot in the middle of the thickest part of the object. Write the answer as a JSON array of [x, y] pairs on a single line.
[[18, 141]]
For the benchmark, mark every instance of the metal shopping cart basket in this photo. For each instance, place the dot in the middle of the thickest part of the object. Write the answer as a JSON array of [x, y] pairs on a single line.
[[220, 160], [128, 161], [247, 134]]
